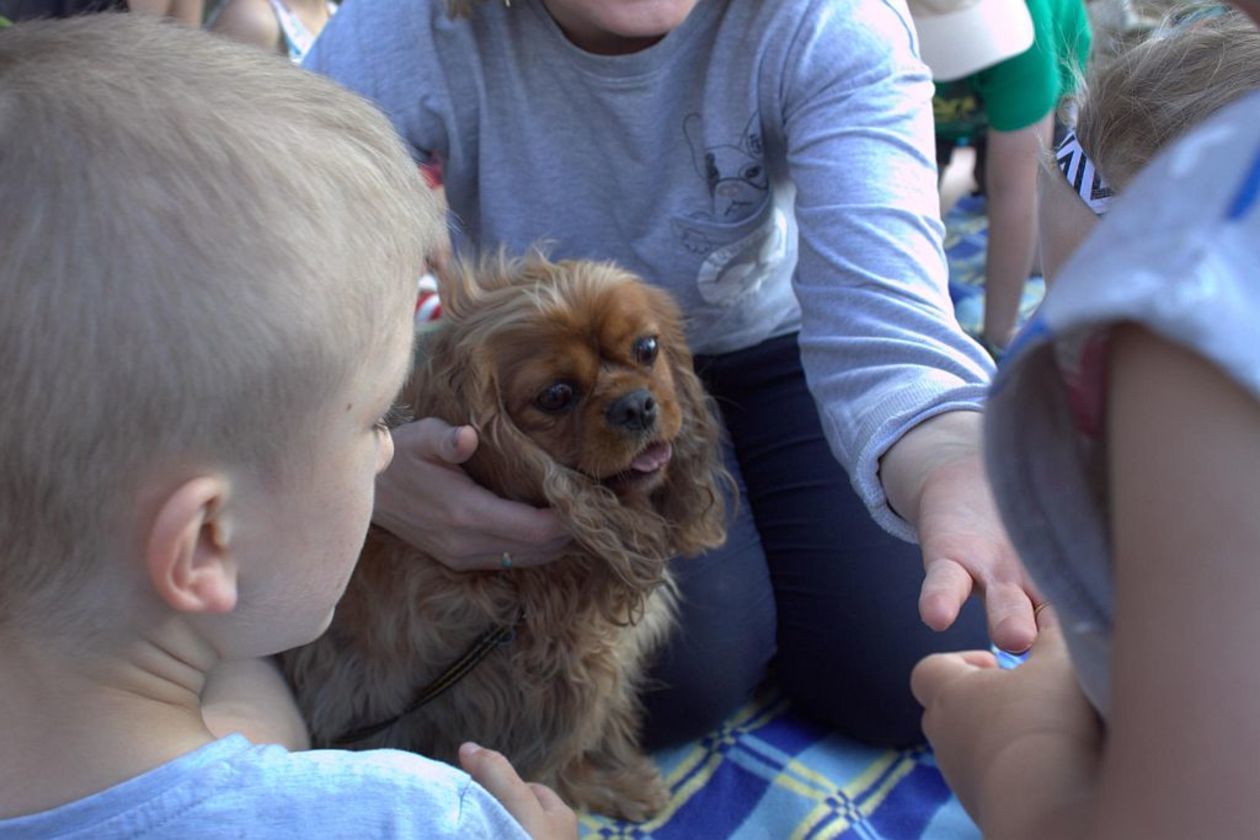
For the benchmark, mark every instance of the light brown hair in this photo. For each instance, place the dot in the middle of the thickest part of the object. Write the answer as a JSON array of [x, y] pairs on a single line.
[[1140, 101], [200, 246]]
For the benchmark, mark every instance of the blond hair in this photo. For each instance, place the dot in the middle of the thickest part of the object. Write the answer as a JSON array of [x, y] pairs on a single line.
[[1140, 101], [200, 246]]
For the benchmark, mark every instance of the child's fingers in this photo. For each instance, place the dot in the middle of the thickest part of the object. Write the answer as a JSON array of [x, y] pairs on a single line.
[[536, 807], [981, 659], [495, 773], [549, 800], [934, 672], [561, 819]]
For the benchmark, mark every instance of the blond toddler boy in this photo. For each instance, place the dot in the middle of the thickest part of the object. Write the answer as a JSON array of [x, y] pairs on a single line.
[[207, 271]]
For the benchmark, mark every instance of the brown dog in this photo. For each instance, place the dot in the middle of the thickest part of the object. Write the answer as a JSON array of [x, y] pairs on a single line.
[[579, 382]]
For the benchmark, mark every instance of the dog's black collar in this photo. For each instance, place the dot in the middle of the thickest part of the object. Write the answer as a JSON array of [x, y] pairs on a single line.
[[480, 649]]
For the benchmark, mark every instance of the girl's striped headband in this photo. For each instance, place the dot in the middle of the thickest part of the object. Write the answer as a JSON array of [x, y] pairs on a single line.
[[1081, 174]]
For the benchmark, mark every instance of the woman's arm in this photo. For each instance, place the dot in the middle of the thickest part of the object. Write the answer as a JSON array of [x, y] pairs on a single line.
[[896, 381]]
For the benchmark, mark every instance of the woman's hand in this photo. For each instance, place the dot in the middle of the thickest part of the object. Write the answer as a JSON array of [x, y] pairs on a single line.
[[935, 479], [425, 498]]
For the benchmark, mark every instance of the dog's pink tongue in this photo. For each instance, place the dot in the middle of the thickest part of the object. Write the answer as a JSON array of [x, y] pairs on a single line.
[[653, 458]]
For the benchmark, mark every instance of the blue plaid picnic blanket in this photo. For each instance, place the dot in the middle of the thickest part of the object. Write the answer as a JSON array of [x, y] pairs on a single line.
[[768, 773]]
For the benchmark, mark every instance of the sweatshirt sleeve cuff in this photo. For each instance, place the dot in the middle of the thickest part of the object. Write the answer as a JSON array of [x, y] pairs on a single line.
[[865, 471]]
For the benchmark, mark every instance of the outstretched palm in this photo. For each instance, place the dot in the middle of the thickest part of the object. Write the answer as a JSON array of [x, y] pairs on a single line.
[[965, 548]]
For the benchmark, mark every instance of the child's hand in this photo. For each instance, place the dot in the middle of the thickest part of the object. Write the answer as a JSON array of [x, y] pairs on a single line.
[[536, 807], [1013, 745]]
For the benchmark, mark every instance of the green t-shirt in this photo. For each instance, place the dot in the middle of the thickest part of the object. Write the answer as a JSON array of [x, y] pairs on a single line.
[[1021, 90]]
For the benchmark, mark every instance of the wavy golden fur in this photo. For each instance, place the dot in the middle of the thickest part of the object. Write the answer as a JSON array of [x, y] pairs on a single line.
[[561, 699]]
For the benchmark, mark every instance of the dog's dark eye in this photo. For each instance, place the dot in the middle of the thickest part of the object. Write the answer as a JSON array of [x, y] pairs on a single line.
[[645, 350], [557, 398]]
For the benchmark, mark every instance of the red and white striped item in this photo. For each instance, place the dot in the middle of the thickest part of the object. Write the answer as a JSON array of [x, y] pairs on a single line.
[[428, 306]]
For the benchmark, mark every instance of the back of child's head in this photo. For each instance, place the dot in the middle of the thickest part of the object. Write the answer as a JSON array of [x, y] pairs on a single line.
[[200, 245], [1201, 59]]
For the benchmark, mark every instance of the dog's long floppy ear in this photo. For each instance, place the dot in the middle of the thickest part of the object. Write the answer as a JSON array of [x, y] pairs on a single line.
[[460, 288], [507, 460], [694, 497], [449, 368], [456, 374]]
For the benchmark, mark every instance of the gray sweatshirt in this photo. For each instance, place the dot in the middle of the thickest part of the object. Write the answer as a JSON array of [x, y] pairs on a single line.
[[769, 163]]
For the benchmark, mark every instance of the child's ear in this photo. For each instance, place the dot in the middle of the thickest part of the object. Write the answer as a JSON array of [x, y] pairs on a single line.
[[188, 552]]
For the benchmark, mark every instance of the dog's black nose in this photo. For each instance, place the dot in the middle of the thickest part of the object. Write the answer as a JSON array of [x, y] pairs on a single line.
[[635, 411]]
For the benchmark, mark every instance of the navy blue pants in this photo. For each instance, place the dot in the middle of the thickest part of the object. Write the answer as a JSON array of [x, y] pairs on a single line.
[[808, 589]]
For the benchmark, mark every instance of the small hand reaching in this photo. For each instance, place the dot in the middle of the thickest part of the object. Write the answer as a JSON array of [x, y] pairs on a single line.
[[1014, 745], [538, 809], [427, 499]]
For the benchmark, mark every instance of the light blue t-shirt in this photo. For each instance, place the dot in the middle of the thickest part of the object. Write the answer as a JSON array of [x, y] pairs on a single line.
[[232, 788], [771, 164], [1177, 253]]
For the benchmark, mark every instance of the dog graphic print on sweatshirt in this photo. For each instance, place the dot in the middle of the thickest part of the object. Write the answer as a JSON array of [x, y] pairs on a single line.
[[741, 236]]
